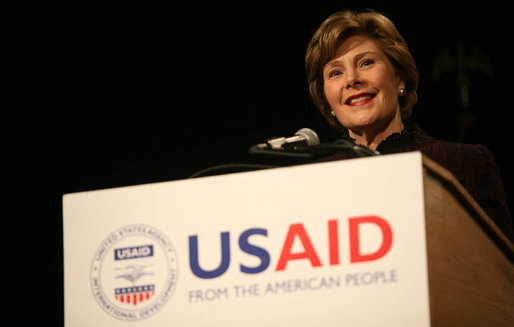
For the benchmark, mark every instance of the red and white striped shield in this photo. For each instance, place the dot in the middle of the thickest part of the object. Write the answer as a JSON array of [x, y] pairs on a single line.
[[134, 294]]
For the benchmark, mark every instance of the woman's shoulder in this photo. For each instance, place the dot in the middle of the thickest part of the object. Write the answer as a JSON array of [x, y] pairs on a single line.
[[466, 161], [455, 152], [413, 138]]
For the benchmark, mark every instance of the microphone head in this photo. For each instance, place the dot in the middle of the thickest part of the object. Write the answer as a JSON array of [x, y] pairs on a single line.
[[311, 138]]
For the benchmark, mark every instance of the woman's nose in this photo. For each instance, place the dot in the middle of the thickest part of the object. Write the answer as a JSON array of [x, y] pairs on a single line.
[[352, 79]]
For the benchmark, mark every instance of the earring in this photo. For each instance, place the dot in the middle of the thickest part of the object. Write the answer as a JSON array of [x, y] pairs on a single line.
[[403, 92], [333, 113]]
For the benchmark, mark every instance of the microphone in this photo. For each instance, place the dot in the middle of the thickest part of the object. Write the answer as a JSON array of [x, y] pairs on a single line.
[[304, 136], [305, 144]]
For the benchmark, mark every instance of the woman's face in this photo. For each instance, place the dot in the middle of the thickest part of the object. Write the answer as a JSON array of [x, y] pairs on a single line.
[[361, 86]]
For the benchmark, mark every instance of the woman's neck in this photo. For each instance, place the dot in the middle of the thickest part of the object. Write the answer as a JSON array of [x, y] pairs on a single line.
[[371, 137]]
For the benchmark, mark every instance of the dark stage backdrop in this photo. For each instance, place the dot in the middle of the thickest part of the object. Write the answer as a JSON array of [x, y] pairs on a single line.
[[108, 94]]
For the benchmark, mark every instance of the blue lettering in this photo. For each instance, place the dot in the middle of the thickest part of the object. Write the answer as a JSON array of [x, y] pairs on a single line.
[[133, 252], [225, 257], [254, 250]]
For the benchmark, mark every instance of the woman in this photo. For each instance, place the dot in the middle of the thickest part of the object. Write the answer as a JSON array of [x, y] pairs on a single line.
[[363, 79]]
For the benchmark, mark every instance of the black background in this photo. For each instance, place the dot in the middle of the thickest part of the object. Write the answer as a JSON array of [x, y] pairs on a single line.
[[105, 94]]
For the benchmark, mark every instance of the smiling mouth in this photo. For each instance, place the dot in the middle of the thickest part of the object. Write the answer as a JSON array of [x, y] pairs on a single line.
[[359, 99]]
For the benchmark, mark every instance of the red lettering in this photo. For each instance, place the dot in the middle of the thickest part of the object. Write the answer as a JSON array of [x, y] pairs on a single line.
[[387, 238], [308, 253], [333, 242]]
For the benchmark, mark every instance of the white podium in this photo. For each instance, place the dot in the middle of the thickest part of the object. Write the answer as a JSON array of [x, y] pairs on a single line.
[[380, 241]]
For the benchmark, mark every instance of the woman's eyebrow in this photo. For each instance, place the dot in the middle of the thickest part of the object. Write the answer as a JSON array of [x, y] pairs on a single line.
[[357, 57], [363, 54]]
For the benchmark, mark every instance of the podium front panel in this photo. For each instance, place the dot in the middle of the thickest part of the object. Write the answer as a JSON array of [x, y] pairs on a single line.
[[333, 244]]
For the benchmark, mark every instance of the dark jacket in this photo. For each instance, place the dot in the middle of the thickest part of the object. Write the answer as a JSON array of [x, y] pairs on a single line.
[[472, 165]]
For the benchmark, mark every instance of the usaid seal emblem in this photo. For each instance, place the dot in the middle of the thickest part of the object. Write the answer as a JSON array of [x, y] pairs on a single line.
[[134, 272]]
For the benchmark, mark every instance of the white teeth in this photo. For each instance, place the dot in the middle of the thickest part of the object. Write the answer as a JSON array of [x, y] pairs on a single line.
[[361, 98]]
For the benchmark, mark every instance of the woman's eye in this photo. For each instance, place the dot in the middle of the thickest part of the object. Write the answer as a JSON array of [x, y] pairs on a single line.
[[367, 62], [335, 73]]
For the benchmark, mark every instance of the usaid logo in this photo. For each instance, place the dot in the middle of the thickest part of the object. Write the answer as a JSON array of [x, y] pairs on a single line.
[[133, 252], [134, 272]]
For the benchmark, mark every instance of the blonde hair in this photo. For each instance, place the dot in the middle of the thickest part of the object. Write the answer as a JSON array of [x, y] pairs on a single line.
[[335, 30]]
